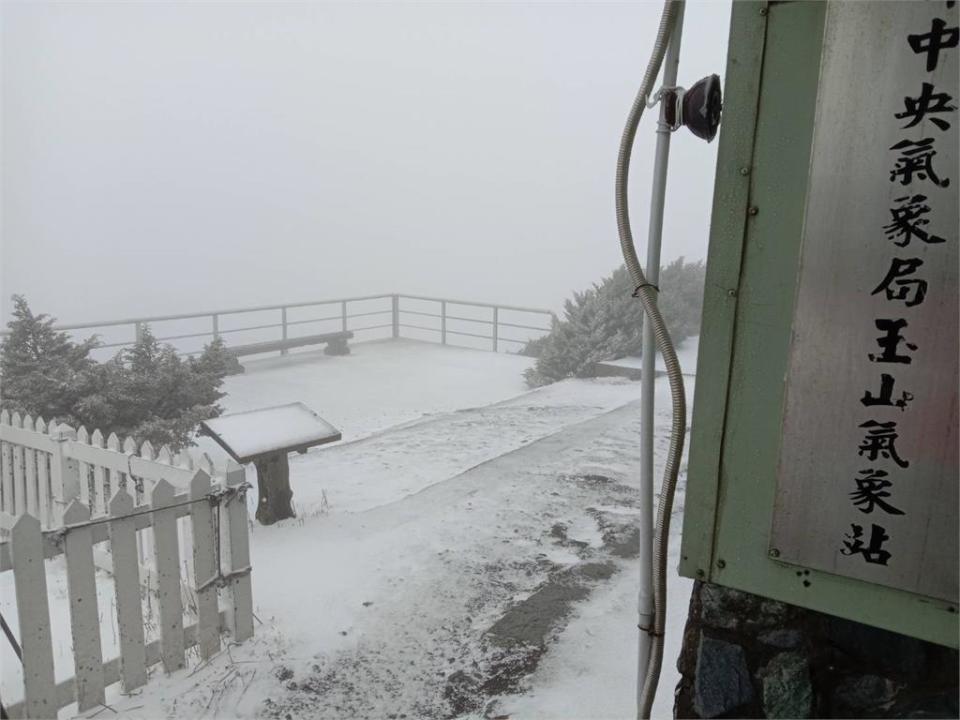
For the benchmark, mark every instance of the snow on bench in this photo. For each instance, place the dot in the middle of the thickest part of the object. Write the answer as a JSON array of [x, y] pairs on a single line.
[[336, 343]]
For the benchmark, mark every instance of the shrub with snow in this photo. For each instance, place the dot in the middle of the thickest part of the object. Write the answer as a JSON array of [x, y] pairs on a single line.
[[146, 391], [606, 322]]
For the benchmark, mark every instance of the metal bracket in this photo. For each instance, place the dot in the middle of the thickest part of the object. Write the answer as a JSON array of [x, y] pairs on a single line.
[[671, 98]]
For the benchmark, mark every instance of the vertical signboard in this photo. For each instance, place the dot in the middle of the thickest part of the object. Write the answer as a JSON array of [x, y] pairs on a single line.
[[868, 470]]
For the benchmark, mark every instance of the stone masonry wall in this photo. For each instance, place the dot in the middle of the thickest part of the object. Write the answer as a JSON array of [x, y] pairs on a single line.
[[744, 656]]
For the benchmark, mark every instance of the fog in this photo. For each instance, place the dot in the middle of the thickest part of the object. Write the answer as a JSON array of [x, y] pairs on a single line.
[[174, 157]]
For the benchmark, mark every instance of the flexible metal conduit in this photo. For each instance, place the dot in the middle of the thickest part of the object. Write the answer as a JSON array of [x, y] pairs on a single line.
[[647, 295]]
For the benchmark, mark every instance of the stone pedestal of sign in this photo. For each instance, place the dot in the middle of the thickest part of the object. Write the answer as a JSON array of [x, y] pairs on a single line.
[[273, 485]]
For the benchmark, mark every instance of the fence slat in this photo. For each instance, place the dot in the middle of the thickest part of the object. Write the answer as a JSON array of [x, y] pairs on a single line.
[[235, 544], [64, 470], [44, 490], [97, 498], [84, 470], [205, 568], [30, 478], [101, 477], [6, 471], [126, 585], [84, 618], [43, 486], [26, 540], [30, 473], [146, 451], [166, 553], [19, 484]]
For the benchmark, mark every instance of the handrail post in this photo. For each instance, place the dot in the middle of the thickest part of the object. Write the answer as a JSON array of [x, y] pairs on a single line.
[[396, 317], [216, 326], [496, 327], [443, 322], [343, 315], [283, 323]]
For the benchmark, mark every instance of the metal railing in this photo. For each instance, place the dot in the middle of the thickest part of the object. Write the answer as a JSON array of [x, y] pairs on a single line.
[[389, 314]]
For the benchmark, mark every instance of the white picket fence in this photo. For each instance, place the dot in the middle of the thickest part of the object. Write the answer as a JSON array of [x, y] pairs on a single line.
[[157, 524], [43, 468]]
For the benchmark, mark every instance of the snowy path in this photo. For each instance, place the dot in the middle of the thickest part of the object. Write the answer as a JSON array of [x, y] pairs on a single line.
[[388, 466], [387, 612]]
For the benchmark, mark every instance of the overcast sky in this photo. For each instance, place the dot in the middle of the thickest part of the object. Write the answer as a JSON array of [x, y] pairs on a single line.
[[166, 157]]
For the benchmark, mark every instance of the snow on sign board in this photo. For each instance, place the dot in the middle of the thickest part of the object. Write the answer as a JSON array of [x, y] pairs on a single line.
[[255, 433]]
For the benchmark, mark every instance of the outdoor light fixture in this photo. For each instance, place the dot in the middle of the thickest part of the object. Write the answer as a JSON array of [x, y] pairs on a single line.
[[698, 108]]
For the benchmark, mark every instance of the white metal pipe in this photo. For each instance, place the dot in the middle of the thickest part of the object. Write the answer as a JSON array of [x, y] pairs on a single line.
[[647, 380]]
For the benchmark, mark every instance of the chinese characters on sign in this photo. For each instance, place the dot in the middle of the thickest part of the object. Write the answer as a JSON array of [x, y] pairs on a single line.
[[867, 479], [875, 488]]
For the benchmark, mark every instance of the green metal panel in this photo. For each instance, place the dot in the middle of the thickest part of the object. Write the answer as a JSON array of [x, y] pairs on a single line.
[[763, 167]]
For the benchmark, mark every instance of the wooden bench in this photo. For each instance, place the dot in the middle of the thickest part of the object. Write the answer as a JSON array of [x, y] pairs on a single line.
[[336, 344]]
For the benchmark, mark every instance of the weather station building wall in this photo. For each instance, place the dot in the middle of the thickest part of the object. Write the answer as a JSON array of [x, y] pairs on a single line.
[[803, 608]]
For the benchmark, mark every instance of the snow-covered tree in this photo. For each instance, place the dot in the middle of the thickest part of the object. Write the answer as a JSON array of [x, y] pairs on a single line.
[[42, 371], [146, 391], [606, 322]]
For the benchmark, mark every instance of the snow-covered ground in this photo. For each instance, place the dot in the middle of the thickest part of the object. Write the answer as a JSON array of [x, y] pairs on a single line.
[[468, 550], [379, 384]]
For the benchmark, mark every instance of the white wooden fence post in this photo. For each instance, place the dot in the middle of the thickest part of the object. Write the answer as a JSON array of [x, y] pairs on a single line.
[[84, 618], [496, 328], [6, 470], [30, 474], [113, 443], [167, 562], [205, 570], [235, 540], [101, 477], [283, 323], [147, 536], [26, 544], [87, 495], [64, 471], [43, 480], [126, 586], [19, 484]]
